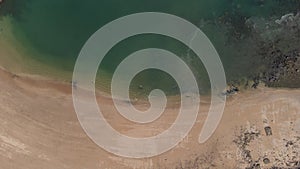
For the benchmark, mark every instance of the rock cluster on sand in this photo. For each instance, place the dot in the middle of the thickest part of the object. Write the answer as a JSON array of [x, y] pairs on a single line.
[[242, 141], [231, 89], [284, 156]]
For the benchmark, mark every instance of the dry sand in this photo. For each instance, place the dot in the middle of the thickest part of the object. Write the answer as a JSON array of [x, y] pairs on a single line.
[[39, 130]]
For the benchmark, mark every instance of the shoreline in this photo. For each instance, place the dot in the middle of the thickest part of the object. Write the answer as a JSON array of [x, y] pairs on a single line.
[[60, 85], [64, 87]]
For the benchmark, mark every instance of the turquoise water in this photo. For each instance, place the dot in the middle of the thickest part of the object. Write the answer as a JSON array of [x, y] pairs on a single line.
[[58, 30]]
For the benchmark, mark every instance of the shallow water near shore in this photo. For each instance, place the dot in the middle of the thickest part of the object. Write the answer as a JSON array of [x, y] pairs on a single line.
[[53, 32]]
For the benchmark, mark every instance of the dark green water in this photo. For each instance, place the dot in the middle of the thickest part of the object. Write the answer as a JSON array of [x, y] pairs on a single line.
[[58, 29]]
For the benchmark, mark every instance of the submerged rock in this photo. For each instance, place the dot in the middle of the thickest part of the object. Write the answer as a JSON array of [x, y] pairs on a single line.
[[141, 87]]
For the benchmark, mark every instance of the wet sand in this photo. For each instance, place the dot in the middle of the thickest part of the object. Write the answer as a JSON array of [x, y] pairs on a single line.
[[39, 130]]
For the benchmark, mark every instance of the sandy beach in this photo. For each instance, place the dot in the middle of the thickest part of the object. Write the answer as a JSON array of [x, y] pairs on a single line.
[[39, 130]]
